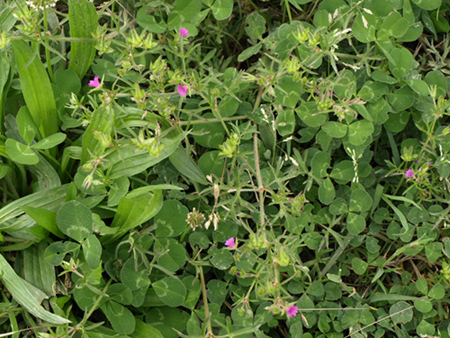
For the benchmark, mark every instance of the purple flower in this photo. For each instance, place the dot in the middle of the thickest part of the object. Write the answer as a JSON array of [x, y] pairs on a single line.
[[184, 32], [182, 90], [94, 83], [292, 311], [409, 173], [230, 242]]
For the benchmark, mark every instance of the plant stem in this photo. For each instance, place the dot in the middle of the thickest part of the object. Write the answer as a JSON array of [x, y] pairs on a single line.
[[205, 301], [47, 51]]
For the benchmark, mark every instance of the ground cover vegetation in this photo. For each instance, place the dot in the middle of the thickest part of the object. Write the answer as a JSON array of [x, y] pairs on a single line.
[[220, 168]]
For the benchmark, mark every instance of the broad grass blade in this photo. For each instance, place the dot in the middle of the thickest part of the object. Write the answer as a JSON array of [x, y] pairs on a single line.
[[83, 22], [36, 88], [21, 294]]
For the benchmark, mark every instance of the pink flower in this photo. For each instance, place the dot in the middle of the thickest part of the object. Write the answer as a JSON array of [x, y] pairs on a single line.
[[182, 90], [94, 83], [409, 173], [292, 311], [184, 32], [230, 242]]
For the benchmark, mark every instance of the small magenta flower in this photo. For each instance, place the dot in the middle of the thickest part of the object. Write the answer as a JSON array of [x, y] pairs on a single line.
[[409, 173], [230, 242], [183, 32], [292, 311], [182, 90], [94, 83]]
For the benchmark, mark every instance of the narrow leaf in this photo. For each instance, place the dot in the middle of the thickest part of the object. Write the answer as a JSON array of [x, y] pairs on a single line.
[[21, 294]]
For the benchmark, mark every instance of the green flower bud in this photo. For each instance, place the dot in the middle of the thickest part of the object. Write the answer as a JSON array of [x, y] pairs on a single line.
[[281, 257], [302, 36]]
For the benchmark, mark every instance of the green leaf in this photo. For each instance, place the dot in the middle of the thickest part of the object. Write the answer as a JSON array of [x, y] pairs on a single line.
[[379, 111], [394, 25], [171, 291], [55, 252], [360, 201], [400, 62], [37, 270], [186, 166], [184, 11], [359, 131], [422, 285], [75, 220], [171, 219], [288, 91], [213, 133], [326, 191], [316, 289], [355, 223], [320, 163], [423, 305], [133, 211], [45, 219], [67, 82], [134, 278], [364, 27], [285, 122], [118, 189], [26, 125], [128, 162], [102, 122], [20, 153], [166, 319], [250, 51], [83, 22], [359, 266], [92, 250], [121, 319], [228, 106], [217, 291], [401, 312], [149, 22], [144, 330], [397, 121], [212, 163], [193, 291], [222, 9], [380, 76], [343, 172], [401, 99], [335, 129], [371, 91], [310, 115], [50, 199], [437, 292], [242, 315], [345, 84], [120, 293], [428, 5], [23, 296], [50, 142], [436, 78], [221, 259], [174, 256], [36, 88], [256, 26], [425, 329], [419, 86], [338, 207]]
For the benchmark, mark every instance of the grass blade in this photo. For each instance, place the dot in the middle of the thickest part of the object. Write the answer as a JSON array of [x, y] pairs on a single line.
[[36, 88], [83, 22], [21, 294]]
